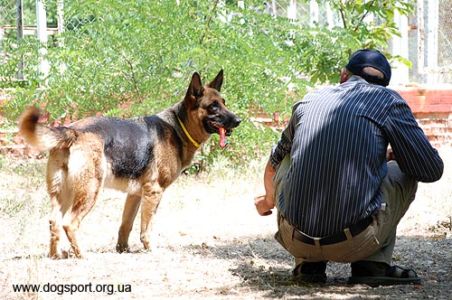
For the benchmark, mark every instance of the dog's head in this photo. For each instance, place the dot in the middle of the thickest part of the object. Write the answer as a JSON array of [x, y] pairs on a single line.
[[206, 107]]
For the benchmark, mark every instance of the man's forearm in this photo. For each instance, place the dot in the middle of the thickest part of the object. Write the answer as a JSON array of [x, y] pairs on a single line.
[[269, 173], [264, 204]]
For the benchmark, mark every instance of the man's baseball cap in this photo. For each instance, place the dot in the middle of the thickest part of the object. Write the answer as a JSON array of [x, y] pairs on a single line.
[[370, 58]]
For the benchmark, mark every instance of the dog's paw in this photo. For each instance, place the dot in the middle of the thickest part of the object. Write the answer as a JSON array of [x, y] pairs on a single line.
[[145, 240], [145, 250], [55, 256], [70, 253], [59, 255], [146, 245], [122, 248]]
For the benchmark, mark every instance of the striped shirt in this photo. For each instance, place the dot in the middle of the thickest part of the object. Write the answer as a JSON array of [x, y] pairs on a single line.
[[337, 139]]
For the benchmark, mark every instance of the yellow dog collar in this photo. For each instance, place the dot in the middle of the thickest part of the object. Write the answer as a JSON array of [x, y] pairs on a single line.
[[192, 140]]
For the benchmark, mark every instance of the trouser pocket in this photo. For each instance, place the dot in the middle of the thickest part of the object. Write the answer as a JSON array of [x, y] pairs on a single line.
[[298, 249], [357, 248]]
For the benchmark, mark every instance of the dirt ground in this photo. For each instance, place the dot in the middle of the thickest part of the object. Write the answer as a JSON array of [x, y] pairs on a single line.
[[208, 242]]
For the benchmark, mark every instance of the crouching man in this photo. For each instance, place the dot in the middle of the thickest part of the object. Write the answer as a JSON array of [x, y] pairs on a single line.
[[339, 195]]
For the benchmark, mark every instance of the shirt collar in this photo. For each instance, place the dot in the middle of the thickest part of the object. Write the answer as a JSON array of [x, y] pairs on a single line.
[[356, 78]]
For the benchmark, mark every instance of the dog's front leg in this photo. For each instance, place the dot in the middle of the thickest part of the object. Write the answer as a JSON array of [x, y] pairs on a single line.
[[151, 196], [128, 216]]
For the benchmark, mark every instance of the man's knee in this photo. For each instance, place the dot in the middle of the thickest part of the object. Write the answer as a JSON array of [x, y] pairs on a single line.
[[398, 186]]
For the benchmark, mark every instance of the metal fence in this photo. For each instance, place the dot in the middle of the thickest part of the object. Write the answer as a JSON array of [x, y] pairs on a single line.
[[20, 19], [7, 23], [430, 42], [15, 13], [7, 12], [445, 40], [426, 36]]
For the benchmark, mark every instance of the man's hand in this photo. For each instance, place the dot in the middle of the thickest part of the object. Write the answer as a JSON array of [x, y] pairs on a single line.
[[264, 205]]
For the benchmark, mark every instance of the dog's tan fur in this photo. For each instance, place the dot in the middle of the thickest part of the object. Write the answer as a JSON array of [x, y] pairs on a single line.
[[78, 166]]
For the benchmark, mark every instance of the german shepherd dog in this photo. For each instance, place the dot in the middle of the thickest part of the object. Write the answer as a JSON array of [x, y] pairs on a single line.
[[140, 156]]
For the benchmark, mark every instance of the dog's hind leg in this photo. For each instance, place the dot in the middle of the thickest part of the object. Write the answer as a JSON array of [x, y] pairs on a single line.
[[84, 199], [128, 216], [55, 223], [59, 199], [85, 176], [152, 194]]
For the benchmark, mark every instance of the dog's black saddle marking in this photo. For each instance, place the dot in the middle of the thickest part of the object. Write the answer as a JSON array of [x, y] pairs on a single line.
[[128, 145]]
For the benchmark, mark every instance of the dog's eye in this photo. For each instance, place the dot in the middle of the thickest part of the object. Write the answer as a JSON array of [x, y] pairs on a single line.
[[214, 106]]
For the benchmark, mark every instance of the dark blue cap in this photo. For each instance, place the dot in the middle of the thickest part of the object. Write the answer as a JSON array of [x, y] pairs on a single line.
[[370, 58]]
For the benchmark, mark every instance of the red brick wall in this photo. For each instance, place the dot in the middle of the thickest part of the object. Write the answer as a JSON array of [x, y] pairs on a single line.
[[432, 107]]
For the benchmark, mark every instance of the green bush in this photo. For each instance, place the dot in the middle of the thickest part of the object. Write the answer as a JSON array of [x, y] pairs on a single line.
[[126, 58]]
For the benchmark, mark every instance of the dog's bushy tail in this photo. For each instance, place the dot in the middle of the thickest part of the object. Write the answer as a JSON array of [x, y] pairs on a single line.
[[42, 137]]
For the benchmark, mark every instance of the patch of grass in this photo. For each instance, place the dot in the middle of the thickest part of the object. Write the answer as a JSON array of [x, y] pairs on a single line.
[[30, 172], [17, 203], [22, 181], [11, 206], [29, 168]]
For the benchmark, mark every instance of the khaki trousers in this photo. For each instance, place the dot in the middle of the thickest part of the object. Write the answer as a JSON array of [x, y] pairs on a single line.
[[376, 243]]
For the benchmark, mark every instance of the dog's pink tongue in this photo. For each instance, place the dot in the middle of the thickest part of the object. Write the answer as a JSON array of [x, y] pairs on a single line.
[[222, 133]]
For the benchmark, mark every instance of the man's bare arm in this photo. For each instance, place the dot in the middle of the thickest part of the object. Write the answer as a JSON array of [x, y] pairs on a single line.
[[264, 204]]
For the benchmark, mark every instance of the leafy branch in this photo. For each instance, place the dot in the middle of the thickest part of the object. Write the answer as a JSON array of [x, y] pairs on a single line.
[[363, 16], [212, 13]]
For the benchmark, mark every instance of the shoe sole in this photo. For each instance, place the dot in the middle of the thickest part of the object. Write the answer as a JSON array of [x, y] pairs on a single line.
[[382, 280]]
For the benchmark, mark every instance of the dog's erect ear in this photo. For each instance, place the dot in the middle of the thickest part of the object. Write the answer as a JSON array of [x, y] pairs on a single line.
[[217, 82], [195, 89]]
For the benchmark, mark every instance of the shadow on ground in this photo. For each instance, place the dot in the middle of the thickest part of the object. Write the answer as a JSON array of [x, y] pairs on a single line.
[[264, 266]]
